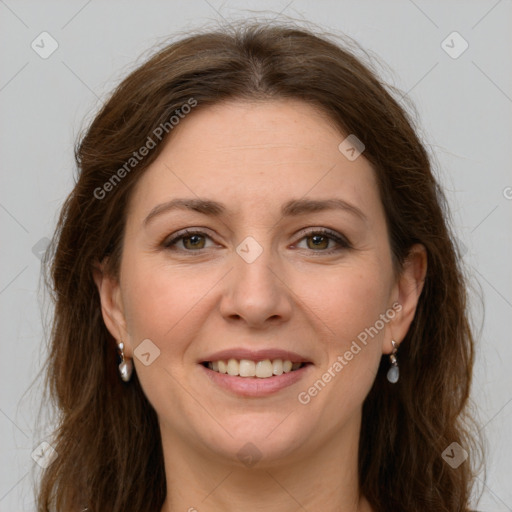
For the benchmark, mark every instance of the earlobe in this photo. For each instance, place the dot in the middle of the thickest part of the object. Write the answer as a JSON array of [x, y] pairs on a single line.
[[111, 304]]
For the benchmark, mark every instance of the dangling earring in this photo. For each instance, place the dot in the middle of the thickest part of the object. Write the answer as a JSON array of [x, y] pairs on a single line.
[[393, 372], [126, 365]]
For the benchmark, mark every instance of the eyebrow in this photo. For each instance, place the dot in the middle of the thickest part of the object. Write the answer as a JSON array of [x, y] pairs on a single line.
[[292, 208]]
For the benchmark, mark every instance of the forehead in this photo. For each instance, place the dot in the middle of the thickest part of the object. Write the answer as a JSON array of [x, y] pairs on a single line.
[[246, 154]]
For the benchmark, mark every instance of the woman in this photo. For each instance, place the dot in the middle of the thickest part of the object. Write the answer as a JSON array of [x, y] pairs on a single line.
[[259, 305]]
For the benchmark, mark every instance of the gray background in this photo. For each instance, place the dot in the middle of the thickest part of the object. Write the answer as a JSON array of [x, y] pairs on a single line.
[[464, 106]]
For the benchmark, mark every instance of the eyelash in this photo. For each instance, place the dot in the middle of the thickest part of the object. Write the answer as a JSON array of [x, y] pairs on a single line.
[[343, 243]]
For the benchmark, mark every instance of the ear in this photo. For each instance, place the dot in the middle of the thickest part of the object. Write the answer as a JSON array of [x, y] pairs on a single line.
[[112, 307], [407, 291]]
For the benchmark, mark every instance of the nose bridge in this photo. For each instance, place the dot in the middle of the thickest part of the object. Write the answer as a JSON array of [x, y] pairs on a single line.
[[255, 290]]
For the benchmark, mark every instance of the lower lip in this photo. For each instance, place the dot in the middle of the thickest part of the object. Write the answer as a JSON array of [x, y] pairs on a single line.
[[254, 386]]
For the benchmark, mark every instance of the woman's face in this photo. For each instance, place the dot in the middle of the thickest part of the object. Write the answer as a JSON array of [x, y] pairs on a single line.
[[291, 262]]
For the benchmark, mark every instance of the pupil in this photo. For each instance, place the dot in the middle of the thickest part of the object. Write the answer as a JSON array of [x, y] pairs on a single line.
[[318, 240], [194, 240]]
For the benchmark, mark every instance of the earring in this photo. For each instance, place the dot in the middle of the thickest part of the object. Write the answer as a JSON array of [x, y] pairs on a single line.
[[126, 365], [393, 372]]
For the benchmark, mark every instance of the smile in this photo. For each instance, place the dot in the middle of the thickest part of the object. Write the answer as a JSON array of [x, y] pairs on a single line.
[[261, 381], [253, 369]]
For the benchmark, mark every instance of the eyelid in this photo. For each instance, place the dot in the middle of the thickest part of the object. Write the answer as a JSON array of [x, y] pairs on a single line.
[[173, 238], [340, 239]]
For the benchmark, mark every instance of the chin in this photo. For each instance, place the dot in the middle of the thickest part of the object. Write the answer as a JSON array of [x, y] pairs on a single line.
[[262, 440]]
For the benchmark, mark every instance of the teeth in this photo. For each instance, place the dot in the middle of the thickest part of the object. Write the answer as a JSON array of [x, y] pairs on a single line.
[[277, 366], [264, 369], [233, 367], [260, 369], [247, 368], [223, 367]]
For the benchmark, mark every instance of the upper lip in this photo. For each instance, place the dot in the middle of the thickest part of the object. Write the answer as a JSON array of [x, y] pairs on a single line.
[[255, 355]]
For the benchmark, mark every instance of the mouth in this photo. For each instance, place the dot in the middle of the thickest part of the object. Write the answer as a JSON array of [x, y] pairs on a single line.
[[247, 368], [259, 377]]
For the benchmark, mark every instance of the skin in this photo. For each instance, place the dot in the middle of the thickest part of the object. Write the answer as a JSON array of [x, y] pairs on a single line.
[[254, 157]]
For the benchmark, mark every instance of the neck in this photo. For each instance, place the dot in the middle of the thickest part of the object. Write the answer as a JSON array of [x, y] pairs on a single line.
[[323, 477]]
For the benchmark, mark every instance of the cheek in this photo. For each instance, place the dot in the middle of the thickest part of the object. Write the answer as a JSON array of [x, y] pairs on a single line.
[[157, 298], [349, 305], [347, 301]]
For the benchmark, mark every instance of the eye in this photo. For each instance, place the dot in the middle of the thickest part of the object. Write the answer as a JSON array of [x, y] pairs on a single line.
[[319, 240], [190, 240]]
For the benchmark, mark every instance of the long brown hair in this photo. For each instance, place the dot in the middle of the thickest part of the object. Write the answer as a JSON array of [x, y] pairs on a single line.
[[107, 436]]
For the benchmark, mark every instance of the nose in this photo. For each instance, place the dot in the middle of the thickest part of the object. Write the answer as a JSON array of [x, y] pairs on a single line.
[[256, 292]]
